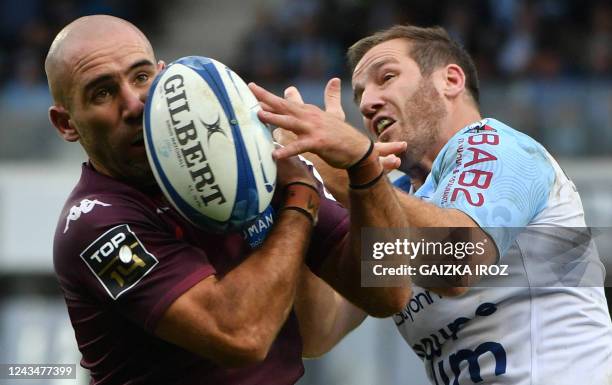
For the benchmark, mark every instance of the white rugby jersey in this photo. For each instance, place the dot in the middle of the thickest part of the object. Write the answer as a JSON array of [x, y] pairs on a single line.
[[548, 322]]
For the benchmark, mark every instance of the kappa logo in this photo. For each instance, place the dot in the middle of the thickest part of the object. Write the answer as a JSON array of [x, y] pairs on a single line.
[[161, 210], [118, 260], [84, 207]]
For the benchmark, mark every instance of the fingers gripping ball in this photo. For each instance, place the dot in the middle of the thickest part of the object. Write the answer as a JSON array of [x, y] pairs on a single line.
[[209, 152]]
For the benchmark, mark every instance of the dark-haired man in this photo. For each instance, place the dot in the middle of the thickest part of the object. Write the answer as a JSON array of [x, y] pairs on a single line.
[[545, 323]]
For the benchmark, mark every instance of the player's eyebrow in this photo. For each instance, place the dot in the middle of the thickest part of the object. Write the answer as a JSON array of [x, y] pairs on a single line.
[[358, 90], [103, 78], [141, 63], [92, 84]]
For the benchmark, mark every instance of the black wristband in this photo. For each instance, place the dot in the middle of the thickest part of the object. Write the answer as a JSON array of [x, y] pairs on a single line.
[[300, 210], [365, 156], [367, 184], [303, 184]]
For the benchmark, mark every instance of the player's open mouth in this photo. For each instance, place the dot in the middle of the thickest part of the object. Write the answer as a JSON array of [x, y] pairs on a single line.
[[381, 124]]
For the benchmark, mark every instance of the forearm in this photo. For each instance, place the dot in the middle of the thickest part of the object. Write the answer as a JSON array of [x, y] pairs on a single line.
[[324, 316], [436, 224], [459, 226], [372, 204], [420, 213], [256, 297], [233, 319], [374, 207]]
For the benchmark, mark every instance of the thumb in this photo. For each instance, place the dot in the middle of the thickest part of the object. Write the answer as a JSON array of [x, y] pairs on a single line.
[[333, 98]]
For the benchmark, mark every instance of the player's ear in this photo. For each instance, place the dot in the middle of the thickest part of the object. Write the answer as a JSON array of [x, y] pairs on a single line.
[[161, 65], [60, 118], [454, 81]]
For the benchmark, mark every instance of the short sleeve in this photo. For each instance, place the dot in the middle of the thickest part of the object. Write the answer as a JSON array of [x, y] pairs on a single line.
[[499, 177], [124, 257]]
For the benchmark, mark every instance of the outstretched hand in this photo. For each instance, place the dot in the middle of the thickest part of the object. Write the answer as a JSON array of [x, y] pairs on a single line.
[[321, 132]]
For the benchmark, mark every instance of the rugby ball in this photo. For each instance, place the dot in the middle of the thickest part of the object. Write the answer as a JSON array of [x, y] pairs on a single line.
[[210, 154]]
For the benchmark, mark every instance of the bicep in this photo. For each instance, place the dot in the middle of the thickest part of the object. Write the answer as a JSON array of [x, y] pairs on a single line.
[[194, 321]]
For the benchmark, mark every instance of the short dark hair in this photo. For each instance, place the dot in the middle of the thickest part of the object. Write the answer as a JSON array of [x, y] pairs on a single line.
[[430, 48]]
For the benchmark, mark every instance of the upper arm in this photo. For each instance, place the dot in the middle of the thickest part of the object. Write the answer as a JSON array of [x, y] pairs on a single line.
[[195, 322], [124, 259]]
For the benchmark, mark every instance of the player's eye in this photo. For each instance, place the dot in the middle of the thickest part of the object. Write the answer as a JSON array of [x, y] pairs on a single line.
[[101, 95], [142, 78], [388, 76]]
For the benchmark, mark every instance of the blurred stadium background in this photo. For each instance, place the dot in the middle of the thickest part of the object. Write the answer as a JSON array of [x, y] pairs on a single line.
[[545, 68]]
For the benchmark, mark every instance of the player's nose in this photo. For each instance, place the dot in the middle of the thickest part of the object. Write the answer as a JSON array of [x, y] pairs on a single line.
[[370, 103], [133, 99]]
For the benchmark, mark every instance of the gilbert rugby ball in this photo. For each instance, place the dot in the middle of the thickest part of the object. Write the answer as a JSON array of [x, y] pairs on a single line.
[[210, 154]]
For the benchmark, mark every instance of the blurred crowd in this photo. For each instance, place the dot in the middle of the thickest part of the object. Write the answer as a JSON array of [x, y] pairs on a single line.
[[27, 28], [546, 65], [509, 39]]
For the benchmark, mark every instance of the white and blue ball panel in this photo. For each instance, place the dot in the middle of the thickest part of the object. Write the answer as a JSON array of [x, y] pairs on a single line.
[[238, 143]]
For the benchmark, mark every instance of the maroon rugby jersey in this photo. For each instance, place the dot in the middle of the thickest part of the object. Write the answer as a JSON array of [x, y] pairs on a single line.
[[122, 256]]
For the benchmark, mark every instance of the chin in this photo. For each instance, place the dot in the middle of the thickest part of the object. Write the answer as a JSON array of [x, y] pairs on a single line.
[[140, 174], [409, 163]]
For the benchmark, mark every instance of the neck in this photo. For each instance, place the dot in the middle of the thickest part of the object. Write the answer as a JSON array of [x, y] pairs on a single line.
[[141, 178], [458, 117]]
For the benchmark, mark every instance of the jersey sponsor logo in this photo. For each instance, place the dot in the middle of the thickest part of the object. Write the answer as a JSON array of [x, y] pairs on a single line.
[[472, 180], [430, 350], [257, 232], [417, 303], [479, 127], [84, 207], [118, 260], [471, 357]]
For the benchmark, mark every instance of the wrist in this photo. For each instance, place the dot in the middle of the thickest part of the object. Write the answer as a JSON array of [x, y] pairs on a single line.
[[304, 198], [367, 171], [364, 157]]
